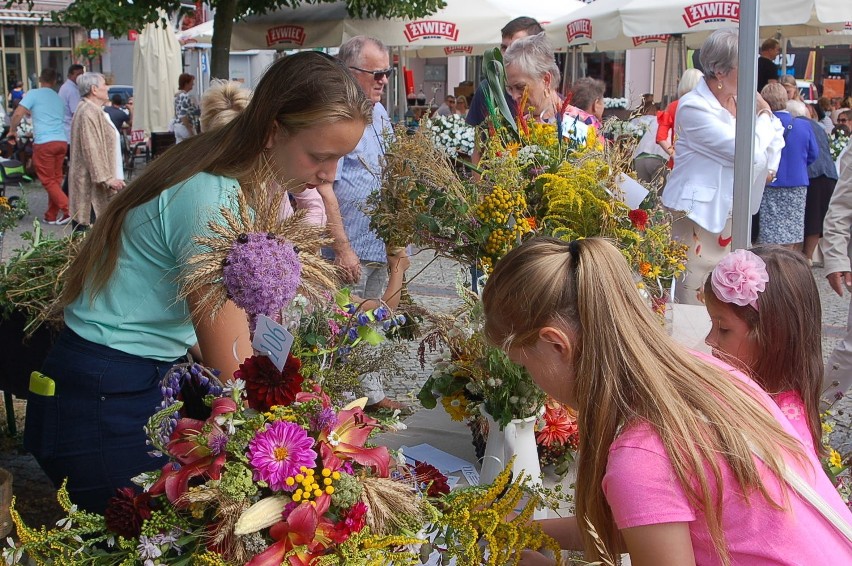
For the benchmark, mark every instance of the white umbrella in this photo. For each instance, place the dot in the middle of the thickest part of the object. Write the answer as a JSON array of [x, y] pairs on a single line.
[[626, 24], [463, 27], [792, 17], [202, 33], [156, 67], [826, 37], [598, 26]]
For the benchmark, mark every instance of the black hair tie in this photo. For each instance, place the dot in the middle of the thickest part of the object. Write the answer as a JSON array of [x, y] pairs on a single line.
[[574, 250]]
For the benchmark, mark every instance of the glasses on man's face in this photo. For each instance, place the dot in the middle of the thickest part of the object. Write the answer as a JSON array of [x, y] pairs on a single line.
[[842, 120], [377, 75]]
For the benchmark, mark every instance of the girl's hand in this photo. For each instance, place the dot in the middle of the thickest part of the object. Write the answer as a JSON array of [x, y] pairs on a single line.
[[533, 558]]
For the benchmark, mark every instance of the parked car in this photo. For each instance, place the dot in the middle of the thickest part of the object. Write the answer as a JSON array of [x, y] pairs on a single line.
[[126, 92]]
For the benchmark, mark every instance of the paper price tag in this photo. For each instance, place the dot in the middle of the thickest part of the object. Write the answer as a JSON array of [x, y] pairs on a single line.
[[272, 340], [471, 475]]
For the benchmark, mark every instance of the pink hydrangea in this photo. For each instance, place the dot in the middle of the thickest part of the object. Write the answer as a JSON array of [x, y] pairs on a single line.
[[278, 453], [739, 278]]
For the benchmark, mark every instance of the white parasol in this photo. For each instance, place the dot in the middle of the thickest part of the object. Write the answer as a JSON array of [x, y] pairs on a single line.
[[156, 67]]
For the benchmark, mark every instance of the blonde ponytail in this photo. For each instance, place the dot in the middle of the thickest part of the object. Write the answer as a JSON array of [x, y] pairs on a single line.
[[628, 370]]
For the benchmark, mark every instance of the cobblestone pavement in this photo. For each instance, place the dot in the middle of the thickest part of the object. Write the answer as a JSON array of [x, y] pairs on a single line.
[[433, 285]]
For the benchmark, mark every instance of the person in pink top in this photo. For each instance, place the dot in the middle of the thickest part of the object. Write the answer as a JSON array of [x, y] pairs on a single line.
[[682, 460], [767, 321]]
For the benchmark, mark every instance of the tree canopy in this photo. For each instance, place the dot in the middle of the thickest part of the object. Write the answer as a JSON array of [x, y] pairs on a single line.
[[120, 16]]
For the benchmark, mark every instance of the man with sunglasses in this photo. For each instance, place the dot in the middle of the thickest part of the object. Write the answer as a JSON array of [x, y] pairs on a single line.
[[448, 108], [364, 257]]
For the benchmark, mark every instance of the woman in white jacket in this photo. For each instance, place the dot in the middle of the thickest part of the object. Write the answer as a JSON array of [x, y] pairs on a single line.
[[701, 186]]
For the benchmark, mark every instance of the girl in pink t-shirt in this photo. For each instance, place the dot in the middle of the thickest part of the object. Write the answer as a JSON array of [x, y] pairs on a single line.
[[767, 321], [666, 468]]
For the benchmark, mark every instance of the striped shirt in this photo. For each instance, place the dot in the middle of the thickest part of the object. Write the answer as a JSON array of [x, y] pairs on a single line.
[[359, 174]]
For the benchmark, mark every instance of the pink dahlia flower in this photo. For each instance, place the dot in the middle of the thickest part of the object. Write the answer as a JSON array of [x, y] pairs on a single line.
[[278, 452]]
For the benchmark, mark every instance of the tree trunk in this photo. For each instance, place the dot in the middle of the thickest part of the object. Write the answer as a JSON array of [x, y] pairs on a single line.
[[223, 25]]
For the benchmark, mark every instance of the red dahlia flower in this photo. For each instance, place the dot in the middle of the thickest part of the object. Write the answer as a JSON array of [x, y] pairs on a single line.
[[126, 512], [266, 386]]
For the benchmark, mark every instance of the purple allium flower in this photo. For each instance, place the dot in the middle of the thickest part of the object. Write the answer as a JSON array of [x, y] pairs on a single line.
[[262, 274], [278, 452], [324, 419], [363, 319]]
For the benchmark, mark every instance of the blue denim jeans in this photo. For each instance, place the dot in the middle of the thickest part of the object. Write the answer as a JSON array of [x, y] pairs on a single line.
[[91, 430]]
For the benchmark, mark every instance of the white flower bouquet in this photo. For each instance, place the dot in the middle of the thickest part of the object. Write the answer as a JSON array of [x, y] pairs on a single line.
[[451, 134], [615, 103]]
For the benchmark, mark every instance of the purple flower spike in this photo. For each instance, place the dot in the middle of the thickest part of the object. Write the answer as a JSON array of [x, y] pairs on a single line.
[[262, 275]]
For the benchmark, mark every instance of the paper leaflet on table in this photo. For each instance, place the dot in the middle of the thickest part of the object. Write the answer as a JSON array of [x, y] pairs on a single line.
[[444, 462]]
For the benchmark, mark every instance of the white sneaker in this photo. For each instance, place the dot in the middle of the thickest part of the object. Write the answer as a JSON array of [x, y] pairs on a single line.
[[61, 219]]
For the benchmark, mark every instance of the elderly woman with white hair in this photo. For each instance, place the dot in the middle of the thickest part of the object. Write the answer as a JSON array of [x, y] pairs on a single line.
[[96, 170], [531, 68], [782, 210], [700, 188]]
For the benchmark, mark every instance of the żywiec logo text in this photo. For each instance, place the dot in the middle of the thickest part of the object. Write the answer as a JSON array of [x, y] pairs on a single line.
[[285, 34], [711, 12], [431, 28], [645, 39], [578, 28], [458, 50]]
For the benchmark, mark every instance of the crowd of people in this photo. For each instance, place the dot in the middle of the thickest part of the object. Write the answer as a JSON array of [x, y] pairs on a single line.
[[79, 129], [684, 458], [795, 171]]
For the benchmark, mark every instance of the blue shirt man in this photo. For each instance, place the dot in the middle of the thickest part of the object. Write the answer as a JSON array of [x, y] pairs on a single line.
[[70, 96], [359, 174]]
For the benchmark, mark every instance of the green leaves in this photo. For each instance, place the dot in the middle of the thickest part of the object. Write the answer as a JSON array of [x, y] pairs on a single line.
[[495, 78]]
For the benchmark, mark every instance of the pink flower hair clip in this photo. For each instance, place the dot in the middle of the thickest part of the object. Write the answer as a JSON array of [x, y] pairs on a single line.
[[739, 278]]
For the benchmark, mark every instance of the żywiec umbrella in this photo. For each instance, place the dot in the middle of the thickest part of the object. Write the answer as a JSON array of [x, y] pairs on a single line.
[[790, 17], [463, 27], [598, 26], [627, 24]]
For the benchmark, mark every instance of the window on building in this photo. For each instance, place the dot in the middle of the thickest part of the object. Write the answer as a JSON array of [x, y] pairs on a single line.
[[54, 37]]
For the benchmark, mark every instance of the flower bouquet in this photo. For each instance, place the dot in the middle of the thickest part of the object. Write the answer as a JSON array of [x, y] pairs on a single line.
[[615, 103], [31, 281], [838, 143], [11, 212], [290, 482], [90, 49], [835, 464], [451, 134], [615, 128]]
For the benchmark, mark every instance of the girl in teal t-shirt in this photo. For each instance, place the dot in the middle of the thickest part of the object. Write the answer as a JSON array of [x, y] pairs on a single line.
[[126, 322]]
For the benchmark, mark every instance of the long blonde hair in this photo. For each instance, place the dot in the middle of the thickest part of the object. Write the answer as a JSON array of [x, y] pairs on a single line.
[[296, 93], [629, 370]]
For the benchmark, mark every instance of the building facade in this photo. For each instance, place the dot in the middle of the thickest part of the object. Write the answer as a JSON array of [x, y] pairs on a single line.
[[30, 42]]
